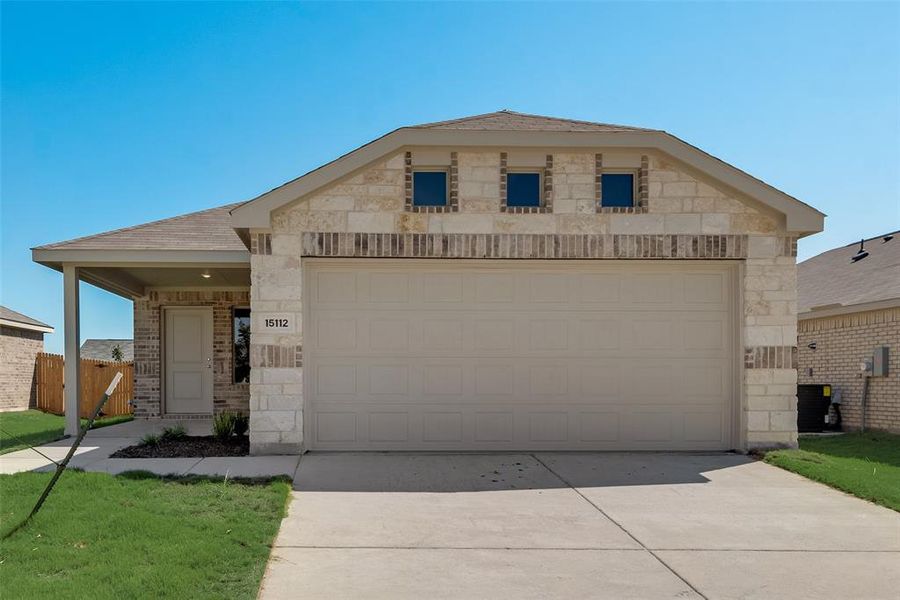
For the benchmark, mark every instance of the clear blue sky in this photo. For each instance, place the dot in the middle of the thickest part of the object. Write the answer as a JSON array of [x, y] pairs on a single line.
[[119, 113]]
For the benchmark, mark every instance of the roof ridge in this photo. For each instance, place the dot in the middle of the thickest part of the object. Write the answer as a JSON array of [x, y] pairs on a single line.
[[507, 111], [134, 227], [873, 238]]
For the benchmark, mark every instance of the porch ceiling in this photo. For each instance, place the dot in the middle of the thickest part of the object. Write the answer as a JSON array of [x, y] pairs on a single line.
[[130, 273]]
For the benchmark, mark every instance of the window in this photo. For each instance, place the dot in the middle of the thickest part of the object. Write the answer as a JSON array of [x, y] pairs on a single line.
[[523, 189], [241, 334], [429, 188], [617, 189]]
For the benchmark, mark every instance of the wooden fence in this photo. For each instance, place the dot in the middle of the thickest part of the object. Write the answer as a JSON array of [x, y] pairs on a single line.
[[95, 377]]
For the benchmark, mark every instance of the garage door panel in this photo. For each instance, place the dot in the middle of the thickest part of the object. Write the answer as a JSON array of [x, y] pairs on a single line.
[[500, 355]]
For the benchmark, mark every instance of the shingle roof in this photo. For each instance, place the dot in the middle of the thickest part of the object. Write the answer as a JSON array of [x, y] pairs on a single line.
[[102, 349], [507, 120], [204, 230], [10, 315], [832, 279]]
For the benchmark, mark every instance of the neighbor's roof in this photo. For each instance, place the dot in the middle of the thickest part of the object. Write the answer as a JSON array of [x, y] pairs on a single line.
[[830, 283], [508, 129], [204, 230], [102, 349], [11, 318], [507, 120]]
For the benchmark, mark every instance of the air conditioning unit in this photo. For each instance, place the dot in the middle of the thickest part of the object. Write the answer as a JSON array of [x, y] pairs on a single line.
[[813, 402]]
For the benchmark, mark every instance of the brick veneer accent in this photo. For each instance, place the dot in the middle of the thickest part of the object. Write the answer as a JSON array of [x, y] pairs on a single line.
[[842, 342], [18, 349], [275, 356], [148, 350], [452, 194], [261, 243], [525, 246], [789, 246], [770, 357]]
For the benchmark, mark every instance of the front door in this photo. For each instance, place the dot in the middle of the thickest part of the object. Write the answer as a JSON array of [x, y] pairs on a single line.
[[188, 356]]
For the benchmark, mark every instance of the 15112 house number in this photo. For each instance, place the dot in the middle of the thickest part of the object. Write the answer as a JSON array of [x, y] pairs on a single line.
[[277, 322]]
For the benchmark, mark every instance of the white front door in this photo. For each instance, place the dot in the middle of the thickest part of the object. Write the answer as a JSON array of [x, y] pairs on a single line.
[[188, 356]]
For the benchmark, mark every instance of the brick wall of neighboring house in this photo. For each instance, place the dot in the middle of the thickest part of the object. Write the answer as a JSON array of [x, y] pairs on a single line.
[[678, 216], [843, 342], [18, 349], [148, 355]]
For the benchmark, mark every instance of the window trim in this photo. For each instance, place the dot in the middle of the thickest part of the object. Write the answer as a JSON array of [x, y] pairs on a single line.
[[431, 169], [635, 195], [539, 171], [234, 309]]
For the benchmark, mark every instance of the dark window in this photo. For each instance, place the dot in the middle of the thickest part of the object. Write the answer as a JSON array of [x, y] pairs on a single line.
[[523, 189], [429, 188], [241, 345], [617, 189]]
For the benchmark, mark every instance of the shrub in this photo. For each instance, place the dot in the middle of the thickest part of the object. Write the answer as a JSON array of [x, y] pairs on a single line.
[[176, 432], [223, 425], [150, 439], [241, 425]]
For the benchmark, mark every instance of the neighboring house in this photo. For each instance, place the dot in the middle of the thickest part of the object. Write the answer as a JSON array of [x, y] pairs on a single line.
[[21, 338], [497, 282], [847, 309], [104, 349]]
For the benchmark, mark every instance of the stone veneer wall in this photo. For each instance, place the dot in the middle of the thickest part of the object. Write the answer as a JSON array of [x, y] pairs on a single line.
[[842, 342], [18, 350], [148, 351], [673, 205]]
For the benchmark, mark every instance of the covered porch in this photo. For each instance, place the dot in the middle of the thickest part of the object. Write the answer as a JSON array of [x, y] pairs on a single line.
[[189, 280]]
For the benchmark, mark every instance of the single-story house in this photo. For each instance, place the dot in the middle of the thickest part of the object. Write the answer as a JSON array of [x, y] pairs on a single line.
[[96, 349], [21, 338], [496, 282], [849, 305]]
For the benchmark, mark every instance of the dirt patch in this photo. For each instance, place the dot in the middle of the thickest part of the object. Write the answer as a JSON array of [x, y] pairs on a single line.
[[188, 447]]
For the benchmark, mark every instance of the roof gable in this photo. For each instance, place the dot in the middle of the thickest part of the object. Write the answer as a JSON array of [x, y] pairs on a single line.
[[506, 129]]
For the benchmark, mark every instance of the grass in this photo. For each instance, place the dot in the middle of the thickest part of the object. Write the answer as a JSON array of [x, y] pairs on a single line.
[[25, 428], [866, 465], [137, 535]]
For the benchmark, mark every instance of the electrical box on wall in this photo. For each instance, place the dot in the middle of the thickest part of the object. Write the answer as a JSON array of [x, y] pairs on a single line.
[[880, 359]]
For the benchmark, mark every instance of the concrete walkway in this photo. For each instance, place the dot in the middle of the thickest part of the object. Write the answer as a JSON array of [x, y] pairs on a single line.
[[93, 454], [563, 525]]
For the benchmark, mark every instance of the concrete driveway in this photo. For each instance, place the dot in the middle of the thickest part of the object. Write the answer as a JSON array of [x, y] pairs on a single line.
[[561, 525]]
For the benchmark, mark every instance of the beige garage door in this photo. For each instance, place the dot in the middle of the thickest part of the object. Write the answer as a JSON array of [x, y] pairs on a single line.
[[518, 355]]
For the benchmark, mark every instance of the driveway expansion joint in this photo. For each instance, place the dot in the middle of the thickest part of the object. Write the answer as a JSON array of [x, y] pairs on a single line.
[[620, 526]]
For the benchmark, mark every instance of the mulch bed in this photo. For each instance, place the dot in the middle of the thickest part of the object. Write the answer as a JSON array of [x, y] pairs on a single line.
[[188, 447]]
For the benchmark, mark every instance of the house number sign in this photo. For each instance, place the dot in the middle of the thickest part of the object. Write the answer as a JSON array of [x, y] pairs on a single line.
[[278, 322]]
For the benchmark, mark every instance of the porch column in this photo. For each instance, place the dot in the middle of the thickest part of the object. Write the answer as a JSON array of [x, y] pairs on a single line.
[[72, 347]]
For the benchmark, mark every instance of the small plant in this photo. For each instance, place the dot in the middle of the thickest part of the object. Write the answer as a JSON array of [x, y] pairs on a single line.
[[241, 425], [223, 425], [117, 354], [150, 439], [176, 432]]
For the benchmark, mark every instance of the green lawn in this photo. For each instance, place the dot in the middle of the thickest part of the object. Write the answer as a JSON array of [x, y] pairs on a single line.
[[34, 427], [137, 536], [866, 465]]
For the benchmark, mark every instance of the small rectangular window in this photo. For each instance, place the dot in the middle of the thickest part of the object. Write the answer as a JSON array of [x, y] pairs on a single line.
[[241, 336], [617, 189], [523, 189], [429, 188]]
